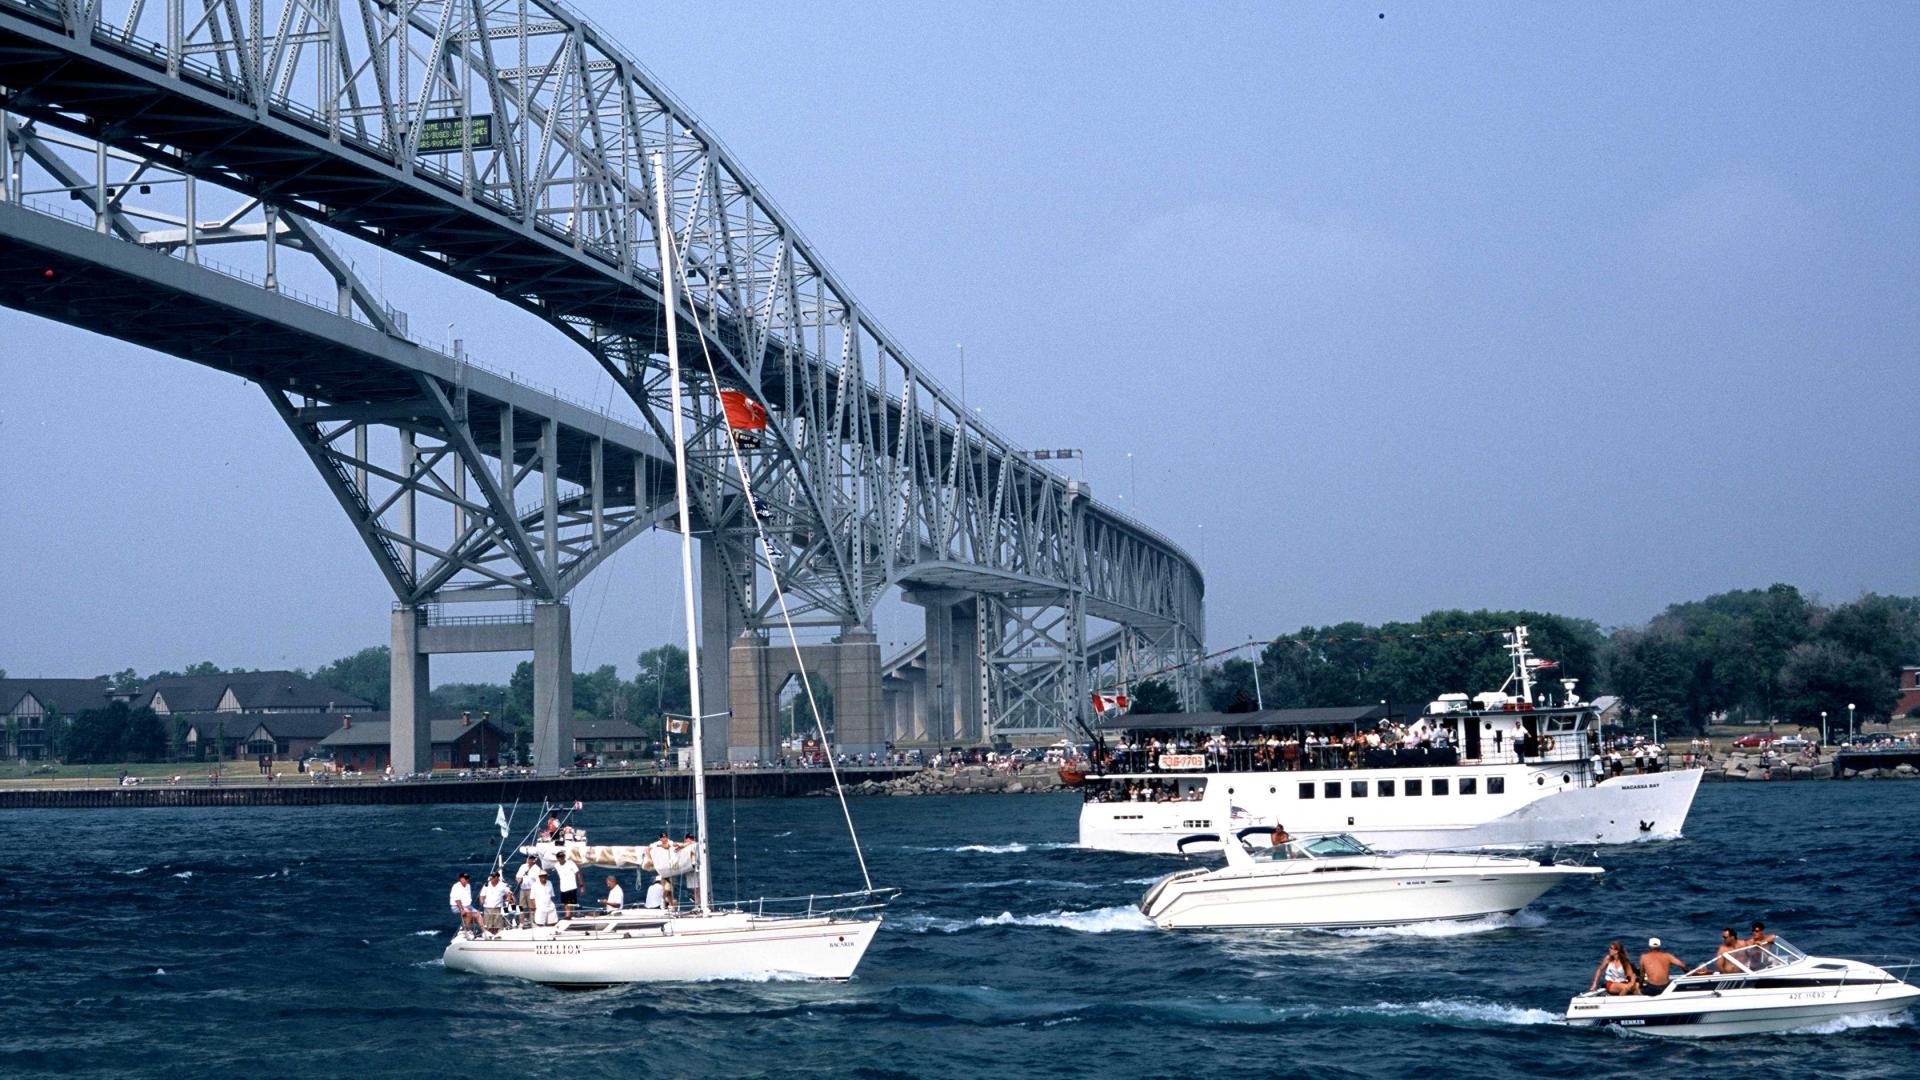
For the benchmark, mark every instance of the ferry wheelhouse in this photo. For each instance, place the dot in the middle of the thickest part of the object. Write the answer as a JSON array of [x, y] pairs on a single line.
[[1502, 769]]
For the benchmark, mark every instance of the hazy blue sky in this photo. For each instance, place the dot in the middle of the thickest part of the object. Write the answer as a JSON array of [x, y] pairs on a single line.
[[1586, 308]]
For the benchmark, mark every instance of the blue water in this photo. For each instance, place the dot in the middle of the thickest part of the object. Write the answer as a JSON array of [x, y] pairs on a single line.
[[306, 942]]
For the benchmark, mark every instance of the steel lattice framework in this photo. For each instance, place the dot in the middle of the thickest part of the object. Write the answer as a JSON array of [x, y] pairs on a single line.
[[509, 143]]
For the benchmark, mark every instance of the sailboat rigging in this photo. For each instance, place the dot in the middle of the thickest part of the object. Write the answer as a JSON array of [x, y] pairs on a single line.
[[811, 937]]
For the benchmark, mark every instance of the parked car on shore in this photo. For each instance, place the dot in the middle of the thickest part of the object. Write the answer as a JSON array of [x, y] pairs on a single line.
[[1756, 741], [1792, 742]]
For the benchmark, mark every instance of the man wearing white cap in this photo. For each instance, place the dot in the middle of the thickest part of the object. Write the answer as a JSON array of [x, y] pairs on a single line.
[[1656, 968]]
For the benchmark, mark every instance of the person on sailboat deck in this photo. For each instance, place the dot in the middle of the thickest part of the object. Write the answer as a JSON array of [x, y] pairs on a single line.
[[460, 902], [494, 896], [616, 896], [657, 894], [539, 900], [569, 875], [551, 830]]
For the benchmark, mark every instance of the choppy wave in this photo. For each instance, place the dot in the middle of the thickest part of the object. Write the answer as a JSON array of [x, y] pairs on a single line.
[[1014, 847], [184, 875], [133, 872], [428, 933], [1048, 883]]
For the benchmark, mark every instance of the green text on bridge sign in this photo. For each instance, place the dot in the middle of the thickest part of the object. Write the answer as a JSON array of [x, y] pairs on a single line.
[[443, 135]]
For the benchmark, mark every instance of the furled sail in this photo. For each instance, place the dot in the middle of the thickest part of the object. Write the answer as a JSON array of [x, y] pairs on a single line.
[[666, 860]]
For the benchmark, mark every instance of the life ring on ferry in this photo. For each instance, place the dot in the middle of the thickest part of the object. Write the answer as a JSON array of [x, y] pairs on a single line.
[[1546, 744]]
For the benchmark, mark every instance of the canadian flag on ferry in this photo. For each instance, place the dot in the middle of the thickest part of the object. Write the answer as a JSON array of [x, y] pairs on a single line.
[[1543, 665], [1106, 703]]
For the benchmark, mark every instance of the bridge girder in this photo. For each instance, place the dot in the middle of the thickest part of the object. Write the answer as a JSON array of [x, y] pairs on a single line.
[[507, 144]]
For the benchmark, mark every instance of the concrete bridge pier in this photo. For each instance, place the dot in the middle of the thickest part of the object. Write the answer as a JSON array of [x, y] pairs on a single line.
[[952, 712], [546, 631], [849, 664]]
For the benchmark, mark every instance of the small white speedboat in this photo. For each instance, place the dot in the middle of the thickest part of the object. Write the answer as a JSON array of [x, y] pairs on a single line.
[[1753, 990], [1335, 881]]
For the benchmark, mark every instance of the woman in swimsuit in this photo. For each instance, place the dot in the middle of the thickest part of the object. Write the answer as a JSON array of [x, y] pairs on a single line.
[[1616, 971]]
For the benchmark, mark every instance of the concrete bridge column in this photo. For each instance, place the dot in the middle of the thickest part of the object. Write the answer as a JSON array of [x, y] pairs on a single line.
[[751, 692], [953, 665], [410, 729], [722, 621], [552, 688], [858, 721]]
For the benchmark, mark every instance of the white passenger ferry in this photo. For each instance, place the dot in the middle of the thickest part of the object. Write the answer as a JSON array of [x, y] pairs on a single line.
[[1503, 769]]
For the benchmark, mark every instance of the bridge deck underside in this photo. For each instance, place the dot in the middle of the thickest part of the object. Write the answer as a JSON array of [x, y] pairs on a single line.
[[61, 272]]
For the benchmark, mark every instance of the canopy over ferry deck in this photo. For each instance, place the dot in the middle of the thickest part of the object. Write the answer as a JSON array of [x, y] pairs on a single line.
[[1507, 768]]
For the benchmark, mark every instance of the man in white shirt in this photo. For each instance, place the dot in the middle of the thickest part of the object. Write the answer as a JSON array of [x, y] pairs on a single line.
[[569, 875], [460, 902], [493, 903], [538, 901], [616, 896], [656, 895]]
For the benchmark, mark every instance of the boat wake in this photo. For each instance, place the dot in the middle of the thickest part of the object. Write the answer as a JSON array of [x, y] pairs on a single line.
[[1469, 1011], [1011, 848], [1856, 1022], [1097, 921], [1486, 924]]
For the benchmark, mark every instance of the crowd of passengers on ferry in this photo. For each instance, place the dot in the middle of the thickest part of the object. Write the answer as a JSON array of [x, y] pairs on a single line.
[[1387, 746]]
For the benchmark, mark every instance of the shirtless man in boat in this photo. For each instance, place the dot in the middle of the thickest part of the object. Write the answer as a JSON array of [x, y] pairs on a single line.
[[1656, 967], [1729, 943]]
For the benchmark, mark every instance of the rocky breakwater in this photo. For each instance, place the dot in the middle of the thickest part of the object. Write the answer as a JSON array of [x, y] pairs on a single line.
[[1752, 767], [966, 780]]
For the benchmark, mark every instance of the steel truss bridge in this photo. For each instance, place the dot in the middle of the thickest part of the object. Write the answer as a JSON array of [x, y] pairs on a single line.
[[510, 145]]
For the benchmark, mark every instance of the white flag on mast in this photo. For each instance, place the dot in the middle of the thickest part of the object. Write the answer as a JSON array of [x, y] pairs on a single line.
[[500, 819]]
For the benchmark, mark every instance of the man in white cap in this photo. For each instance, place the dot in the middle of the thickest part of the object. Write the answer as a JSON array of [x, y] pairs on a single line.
[[1656, 968]]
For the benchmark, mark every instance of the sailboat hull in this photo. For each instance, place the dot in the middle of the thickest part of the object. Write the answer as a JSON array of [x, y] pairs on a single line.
[[690, 948]]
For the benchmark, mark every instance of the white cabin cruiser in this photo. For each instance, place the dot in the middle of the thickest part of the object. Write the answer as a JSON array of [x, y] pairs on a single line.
[[1753, 990], [820, 937], [1508, 768], [1335, 881]]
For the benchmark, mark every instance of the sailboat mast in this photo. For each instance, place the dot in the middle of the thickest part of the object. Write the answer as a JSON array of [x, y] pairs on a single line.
[[663, 230]]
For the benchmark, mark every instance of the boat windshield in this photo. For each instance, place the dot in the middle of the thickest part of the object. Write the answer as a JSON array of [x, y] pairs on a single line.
[[1331, 846], [1747, 959]]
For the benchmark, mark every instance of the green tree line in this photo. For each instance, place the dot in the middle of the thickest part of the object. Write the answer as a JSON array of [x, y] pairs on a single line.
[[1746, 656]]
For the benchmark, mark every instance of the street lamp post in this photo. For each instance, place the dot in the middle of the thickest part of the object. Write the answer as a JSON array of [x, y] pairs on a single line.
[[1656, 731], [1133, 490], [1823, 727], [1849, 721]]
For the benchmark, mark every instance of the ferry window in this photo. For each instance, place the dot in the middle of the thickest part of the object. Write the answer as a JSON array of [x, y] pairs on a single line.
[[1306, 790], [1496, 785], [1383, 788], [1413, 787], [1359, 789], [1440, 785], [1333, 789], [1469, 786]]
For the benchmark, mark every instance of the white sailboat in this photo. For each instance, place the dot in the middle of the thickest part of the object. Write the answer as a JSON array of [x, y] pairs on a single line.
[[817, 937]]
